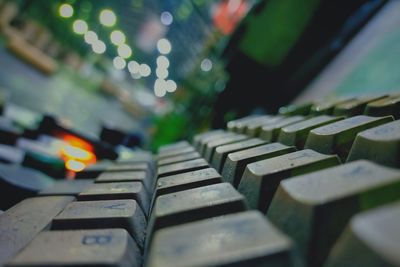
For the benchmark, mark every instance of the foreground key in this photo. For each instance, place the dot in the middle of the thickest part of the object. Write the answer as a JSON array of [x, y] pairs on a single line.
[[107, 247], [242, 239]]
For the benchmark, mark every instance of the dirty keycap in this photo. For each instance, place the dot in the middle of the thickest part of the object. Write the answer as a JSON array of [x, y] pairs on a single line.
[[261, 179], [242, 127], [236, 162], [67, 187], [121, 190], [197, 139], [296, 134], [337, 137], [221, 152], [186, 166], [233, 125], [254, 128], [324, 201], [379, 144], [127, 176], [241, 239], [371, 239], [22, 222], [175, 152], [205, 141], [106, 247], [179, 158], [383, 107], [270, 132], [173, 146], [100, 214], [353, 107], [210, 149]]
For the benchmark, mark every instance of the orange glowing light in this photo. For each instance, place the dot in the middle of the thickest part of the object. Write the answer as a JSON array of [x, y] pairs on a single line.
[[74, 165]]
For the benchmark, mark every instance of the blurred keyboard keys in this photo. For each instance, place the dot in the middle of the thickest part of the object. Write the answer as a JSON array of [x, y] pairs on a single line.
[[211, 146], [389, 105], [181, 167], [353, 107], [270, 132], [179, 158], [296, 109], [67, 187]]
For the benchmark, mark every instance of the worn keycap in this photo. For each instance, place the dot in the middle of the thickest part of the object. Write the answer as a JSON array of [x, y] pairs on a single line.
[[241, 239], [175, 152], [106, 247], [241, 127], [383, 107], [236, 162], [353, 107], [179, 158], [198, 139], [205, 141], [254, 128], [67, 187], [371, 239], [261, 179], [221, 152], [127, 176], [232, 125], [296, 134], [173, 146], [326, 107], [21, 223], [379, 144], [195, 204], [324, 201], [337, 137], [270, 132], [296, 109], [93, 171], [101, 214], [211, 146], [187, 180], [186, 166], [121, 190]]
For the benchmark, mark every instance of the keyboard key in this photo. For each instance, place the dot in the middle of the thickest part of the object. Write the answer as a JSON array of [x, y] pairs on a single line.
[[241, 127], [113, 191], [254, 128], [205, 141], [261, 179], [195, 204], [324, 201], [383, 107], [372, 239], [296, 134], [379, 144], [106, 247], [296, 109], [241, 239], [236, 162], [103, 214], [353, 107], [179, 158], [93, 171], [270, 132], [128, 176], [176, 152], [326, 107], [221, 152], [187, 180], [180, 144], [337, 137], [67, 187], [186, 166], [198, 139], [21, 223], [211, 146], [233, 125]]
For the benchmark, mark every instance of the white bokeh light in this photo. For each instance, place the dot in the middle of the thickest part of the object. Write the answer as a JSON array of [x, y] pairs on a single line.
[[124, 51], [66, 11], [90, 37], [159, 88], [162, 62], [206, 65], [161, 73], [117, 37], [170, 86], [164, 46], [166, 18], [99, 47], [80, 27], [144, 70], [133, 67], [119, 63], [107, 17]]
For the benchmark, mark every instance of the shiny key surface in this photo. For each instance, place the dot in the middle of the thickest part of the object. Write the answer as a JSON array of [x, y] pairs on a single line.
[[179, 158], [379, 144], [296, 133], [383, 107], [113, 191], [324, 201], [127, 176], [371, 239], [353, 107], [221, 152], [210, 149], [337, 137], [22, 222], [261, 179], [67, 188], [181, 167], [101, 214], [106, 247], [270, 132], [241, 239], [187, 180]]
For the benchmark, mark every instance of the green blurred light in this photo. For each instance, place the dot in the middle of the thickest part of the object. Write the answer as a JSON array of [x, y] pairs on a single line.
[[107, 18], [66, 11], [117, 37], [80, 26]]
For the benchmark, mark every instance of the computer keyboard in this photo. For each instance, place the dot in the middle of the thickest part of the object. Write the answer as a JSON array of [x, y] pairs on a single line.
[[316, 185]]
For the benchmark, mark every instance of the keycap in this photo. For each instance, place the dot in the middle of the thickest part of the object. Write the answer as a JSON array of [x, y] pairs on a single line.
[[241, 239], [121, 190], [379, 144], [197, 139], [101, 214], [386, 106], [205, 141], [67, 187], [296, 134], [371, 239], [106, 247], [195, 204], [175, 152], [326, 107], [127, 176], [179, 158], [241, 127], [93, 171], [221, 152], [186, 166], [211, 146], [187, 180], [295, 109], [306, 206], [353, 107], [254, 128], [337, 137], [270, 132], [261, 179], [173, 146], [236, 162], [21, 223], [232, 125]]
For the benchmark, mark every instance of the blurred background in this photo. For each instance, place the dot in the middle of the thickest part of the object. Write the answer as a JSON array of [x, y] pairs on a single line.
[[105, 76]]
